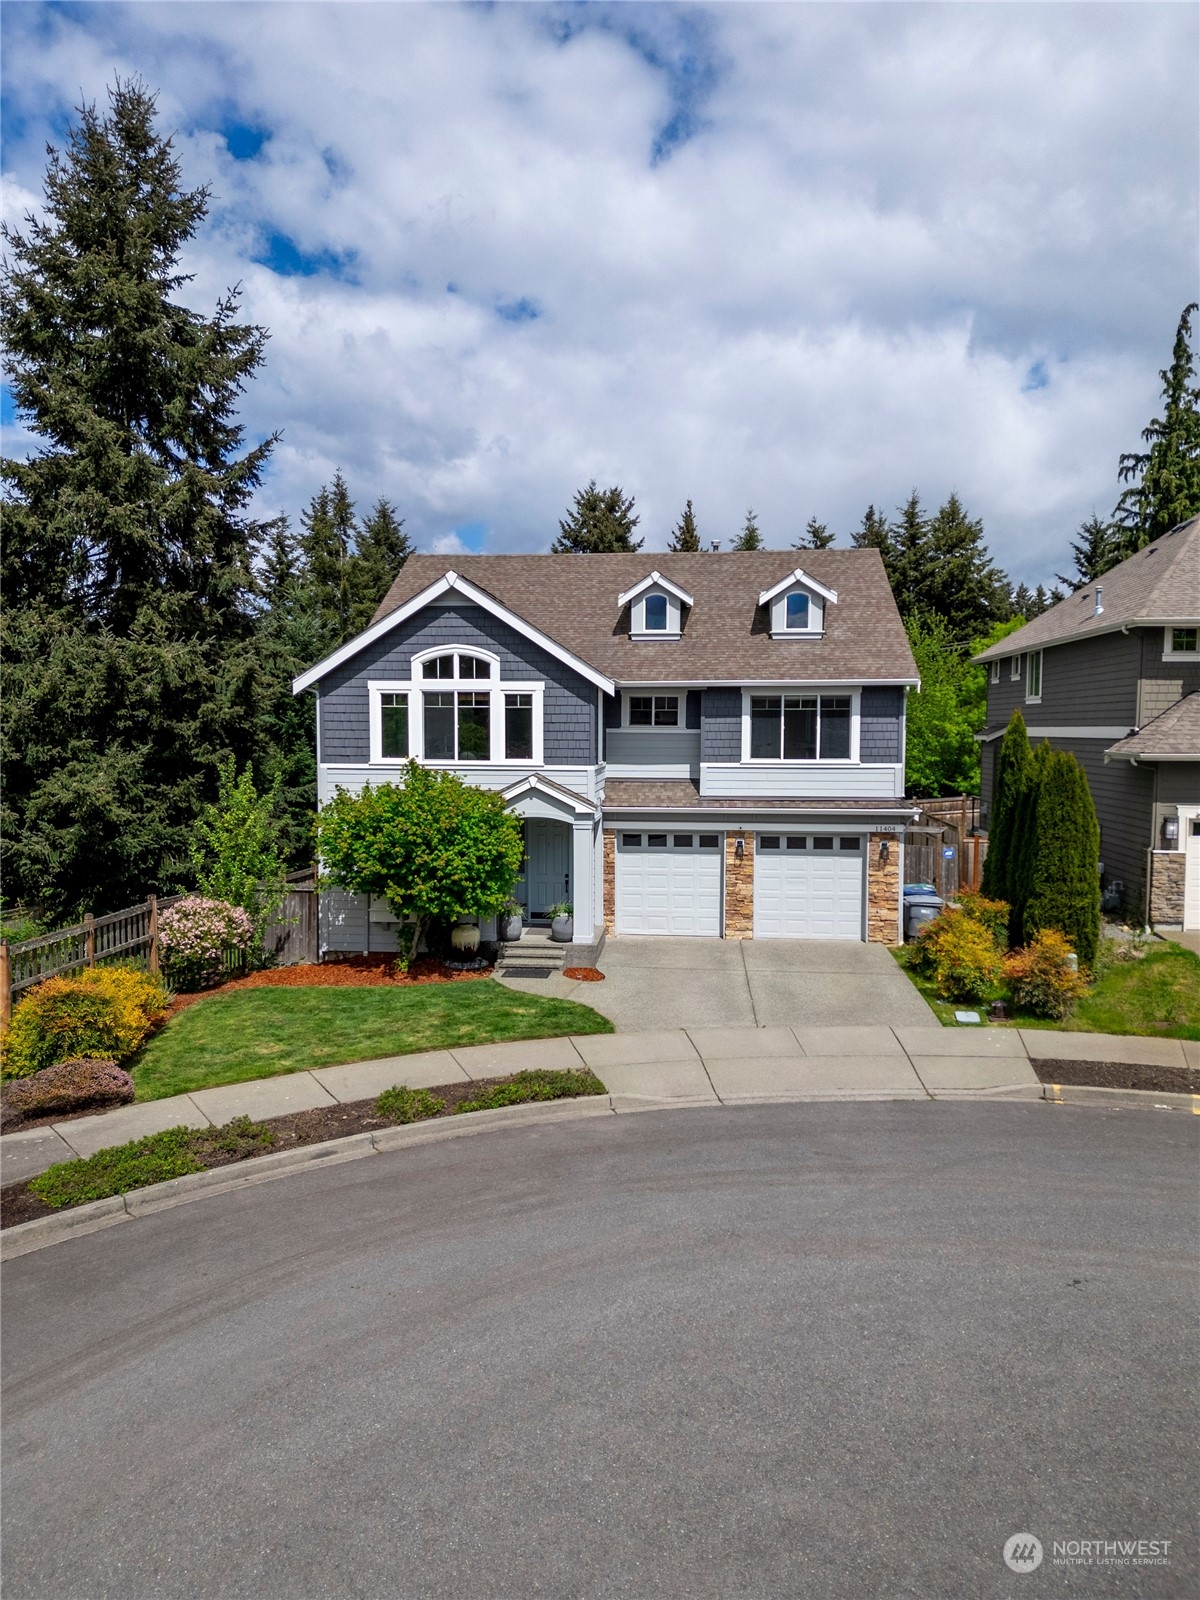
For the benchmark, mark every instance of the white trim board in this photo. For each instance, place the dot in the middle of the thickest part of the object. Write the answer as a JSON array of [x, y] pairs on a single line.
[[450, 581]]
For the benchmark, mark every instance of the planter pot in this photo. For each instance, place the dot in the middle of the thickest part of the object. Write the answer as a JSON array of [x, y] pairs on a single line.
[[511, 928], [464, 936], [562, 929]]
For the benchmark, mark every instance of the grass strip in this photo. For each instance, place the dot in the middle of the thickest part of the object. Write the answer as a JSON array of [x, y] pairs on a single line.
[[174, 1153], [539, 1083]]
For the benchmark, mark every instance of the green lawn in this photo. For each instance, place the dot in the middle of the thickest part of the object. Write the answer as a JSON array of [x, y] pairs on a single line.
[[1158, 996], [256, 1033]]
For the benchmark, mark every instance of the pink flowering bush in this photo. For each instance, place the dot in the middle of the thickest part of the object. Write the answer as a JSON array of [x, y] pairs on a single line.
[[194, 936]]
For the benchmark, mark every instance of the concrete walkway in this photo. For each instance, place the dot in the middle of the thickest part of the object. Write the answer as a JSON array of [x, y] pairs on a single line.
[[724, 983], [679, 1066]]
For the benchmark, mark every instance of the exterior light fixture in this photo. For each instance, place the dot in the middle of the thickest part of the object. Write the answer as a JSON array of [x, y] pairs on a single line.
[[739, 848], [885, 851], [1170, 832]]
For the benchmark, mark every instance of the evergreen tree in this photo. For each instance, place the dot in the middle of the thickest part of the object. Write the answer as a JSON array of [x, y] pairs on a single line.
[[874, 533], [1042, 601], [382, 549], [685, 536], [1064, 854], [958, 579], [326, 546], [1097, 548], [129, 619], [1022, 842], [816, 536], [1014, 765], [1164, 480], [1021, 601], [910, 566], [600, 520], [749, 538]]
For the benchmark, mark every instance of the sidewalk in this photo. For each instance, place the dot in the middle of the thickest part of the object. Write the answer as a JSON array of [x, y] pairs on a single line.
[[694, 1066]]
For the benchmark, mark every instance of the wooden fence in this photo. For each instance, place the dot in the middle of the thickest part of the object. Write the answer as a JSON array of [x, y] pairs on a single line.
[[947, 824], [131, 937]]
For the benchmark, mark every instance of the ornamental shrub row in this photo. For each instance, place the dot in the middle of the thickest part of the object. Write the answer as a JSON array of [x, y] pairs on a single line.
[[104, 1012]]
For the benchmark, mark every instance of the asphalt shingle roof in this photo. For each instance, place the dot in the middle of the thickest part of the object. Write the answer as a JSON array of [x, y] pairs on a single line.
[[1159, 584], [1174, 732], [726, 634]]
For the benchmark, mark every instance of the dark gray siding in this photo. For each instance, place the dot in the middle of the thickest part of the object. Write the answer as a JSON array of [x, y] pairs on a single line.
[[1086, 681], [721, 725], [1123, 796], [569, 701], [692, 709], [880, 723], [1178, 783], [612, 710]]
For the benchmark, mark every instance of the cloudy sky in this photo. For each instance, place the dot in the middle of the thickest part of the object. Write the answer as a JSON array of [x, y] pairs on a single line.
[[800, 257]]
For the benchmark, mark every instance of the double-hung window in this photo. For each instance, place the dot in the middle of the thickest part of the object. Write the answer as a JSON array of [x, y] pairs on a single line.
[[1033, 676], [393, 716], [800, 727], [1182, 642]]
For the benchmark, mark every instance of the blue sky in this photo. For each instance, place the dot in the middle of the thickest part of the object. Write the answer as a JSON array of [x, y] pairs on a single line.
[[803, 257]]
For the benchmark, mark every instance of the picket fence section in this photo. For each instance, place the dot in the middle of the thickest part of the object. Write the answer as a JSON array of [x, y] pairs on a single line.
[[131, 937]]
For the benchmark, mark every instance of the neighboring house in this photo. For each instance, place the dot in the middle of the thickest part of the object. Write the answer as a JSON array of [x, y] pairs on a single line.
[[707, 744], [1113, 674]]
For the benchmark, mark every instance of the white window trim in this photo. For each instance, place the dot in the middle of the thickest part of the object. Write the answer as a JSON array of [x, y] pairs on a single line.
[[1014, 668], [639, 632], [648, 694], [1032, 699], [795, 761], [995, 673], [816, 614], [416, 688], [1180, 655]]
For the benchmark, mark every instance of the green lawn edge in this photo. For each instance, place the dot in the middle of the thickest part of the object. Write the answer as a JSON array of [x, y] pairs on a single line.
[[248, 1034], [1126, 999]]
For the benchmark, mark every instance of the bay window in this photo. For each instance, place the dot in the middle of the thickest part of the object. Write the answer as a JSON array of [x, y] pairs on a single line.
[[800, 727]]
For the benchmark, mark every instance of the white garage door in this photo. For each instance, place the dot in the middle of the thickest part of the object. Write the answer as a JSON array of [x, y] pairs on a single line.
[[808, 886], [669, 883]]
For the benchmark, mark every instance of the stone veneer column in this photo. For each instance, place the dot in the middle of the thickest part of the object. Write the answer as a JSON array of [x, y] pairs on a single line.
[[1167, 869], [610, 881], [739, 888], [883, 890]]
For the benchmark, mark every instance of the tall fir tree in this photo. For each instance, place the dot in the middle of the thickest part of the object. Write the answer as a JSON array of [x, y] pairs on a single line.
[[1164, 479], [381, 550], [910, 560], [958, 579], [1097, 548], [1010, 777], [128, 559], [749, 538], [874, 533], [1063, 874], [600, 520], [816, 536], [685, 536], [326, 547]]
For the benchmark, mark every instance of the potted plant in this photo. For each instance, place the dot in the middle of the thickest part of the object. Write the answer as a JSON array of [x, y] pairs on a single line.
[[512, 921], [562, 922]]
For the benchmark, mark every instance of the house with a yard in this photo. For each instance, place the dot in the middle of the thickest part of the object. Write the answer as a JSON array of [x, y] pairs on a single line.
[[700, 744], [1112, 673]]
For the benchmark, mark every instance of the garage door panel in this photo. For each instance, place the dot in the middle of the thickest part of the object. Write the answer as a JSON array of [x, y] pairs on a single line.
[[799, 894], [668, 890]]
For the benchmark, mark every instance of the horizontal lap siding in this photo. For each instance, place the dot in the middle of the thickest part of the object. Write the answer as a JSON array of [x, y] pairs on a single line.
[[1122, 795], [1178, 783], [1086, 681], [569, 701]]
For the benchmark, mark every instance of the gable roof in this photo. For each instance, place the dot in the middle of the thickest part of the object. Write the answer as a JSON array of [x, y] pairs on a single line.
[[726, 634], [799, 576], [1158, 585], [655, 580], [1174, 735]]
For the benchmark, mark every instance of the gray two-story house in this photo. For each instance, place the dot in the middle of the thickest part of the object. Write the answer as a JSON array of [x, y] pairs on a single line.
[[700, 744], [1112, 673]]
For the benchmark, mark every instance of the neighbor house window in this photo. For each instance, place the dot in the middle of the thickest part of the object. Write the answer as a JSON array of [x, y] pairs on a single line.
[[800, 727], [394, 716], [656, 613], [796, 611], [1014, 668], [1183, 641], [996, 671], [653, 710], [1033, 678]]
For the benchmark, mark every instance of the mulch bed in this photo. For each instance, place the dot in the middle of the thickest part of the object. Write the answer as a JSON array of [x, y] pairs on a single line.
[[18, 1203], [1119, 1075], [584, 974], [345, 972]]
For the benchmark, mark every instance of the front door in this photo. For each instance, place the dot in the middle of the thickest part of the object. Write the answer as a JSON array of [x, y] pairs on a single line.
[[547, 864]]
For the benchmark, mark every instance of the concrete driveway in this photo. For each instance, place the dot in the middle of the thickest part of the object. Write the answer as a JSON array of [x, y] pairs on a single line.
[[685, 983]]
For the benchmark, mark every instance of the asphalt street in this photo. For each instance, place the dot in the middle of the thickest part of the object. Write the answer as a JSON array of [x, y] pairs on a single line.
[[831, 1350]]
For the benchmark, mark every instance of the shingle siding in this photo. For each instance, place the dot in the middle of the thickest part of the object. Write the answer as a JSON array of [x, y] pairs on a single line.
[[881, 723], [721, 725], [569, 726]]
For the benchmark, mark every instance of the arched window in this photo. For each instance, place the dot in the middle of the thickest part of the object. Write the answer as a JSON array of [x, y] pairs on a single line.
[[457, 709]]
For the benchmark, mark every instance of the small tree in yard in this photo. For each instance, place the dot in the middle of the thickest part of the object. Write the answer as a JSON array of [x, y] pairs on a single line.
[[235, 847], [432, 846], [1064, 876], [1014, 767]]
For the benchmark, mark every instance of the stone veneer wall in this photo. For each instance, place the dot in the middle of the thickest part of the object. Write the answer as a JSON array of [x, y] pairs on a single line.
[[610, 881], [883, 891], [1166, 886], [739, 888]]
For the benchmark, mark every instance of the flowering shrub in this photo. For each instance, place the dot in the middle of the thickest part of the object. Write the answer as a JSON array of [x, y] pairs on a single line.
[[194, 935], [69, 1086], [960, 955], [103, 1012], [1042, 977], [992, 913]]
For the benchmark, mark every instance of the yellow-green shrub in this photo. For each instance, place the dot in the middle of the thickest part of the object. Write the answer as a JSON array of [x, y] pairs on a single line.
[[992, 913], [960, 955], [1041, 977], [103, 1011]]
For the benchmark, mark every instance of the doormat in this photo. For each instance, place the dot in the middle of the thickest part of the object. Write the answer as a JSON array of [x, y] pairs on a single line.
[[527, 972]]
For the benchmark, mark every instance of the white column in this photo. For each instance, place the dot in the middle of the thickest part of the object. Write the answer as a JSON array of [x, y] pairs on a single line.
[[583, 879]]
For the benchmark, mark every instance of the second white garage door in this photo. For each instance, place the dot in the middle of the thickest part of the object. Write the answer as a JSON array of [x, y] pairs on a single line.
[[808, 886], [669, 883]]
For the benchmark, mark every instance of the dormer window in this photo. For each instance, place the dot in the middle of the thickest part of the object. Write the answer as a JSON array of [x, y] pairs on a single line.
[[798, 605], [655, 608]]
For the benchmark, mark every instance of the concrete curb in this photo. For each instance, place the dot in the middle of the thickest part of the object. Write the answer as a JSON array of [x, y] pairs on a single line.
[[1084, 1094]]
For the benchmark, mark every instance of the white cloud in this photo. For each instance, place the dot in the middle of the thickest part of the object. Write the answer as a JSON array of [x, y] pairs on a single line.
[[834, 290]]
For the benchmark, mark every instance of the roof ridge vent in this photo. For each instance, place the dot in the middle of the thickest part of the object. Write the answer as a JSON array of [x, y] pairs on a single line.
[[1098, 610]]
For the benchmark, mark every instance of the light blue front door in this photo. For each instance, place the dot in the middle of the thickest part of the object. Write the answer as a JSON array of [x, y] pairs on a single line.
[[547, 864]]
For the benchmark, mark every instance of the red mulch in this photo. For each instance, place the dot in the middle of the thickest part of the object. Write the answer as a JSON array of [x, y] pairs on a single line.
[[584, 974], [346, 972]]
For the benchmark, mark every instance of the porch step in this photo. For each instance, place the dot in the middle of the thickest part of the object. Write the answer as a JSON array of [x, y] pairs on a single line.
[[534, 948]]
